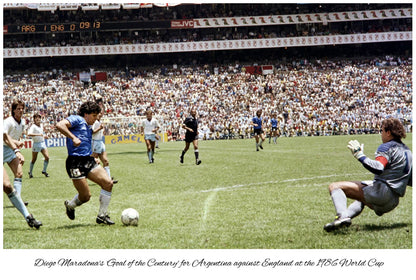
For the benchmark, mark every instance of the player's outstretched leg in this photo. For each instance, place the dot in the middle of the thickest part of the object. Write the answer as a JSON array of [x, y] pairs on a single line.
[[17, 202]]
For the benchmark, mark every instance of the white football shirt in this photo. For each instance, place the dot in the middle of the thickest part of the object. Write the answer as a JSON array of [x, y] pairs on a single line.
[[99, 134], [150, 125], [34, 129], [13, 128]]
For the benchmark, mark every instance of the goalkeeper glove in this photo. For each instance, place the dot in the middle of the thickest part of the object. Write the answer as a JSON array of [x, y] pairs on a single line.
[[356, 148]]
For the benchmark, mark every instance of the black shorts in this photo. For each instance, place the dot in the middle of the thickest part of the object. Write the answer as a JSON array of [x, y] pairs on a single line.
[[258, 131], [274, 128], [79, 167], [190, 137]]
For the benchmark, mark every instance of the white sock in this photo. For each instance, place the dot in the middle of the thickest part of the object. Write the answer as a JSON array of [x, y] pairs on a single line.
[[75, 202], [107, 168], [17, 184], [355, 209], [340, 202], [105, 198]]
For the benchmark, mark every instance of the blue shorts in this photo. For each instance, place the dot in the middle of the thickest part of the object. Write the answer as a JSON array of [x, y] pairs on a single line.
[[38, 146], [380, 196], [98, 146], [151, 137], [8, 154]]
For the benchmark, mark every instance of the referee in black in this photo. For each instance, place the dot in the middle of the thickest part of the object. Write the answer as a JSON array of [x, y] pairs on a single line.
[[191, 135]]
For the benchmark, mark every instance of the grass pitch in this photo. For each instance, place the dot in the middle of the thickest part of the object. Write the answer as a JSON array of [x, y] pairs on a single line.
[[237, 198]]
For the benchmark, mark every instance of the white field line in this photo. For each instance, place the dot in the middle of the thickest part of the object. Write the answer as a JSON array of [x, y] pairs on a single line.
[[211, 198], [207, 205]]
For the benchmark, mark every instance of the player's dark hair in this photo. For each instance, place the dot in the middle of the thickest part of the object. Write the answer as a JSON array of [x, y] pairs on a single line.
[[395, 127], [89, 107], [15, 104], [36, 115]]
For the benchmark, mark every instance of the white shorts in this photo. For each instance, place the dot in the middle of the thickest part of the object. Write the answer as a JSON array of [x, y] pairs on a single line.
[[98, 146], [38, 146], [8, 154], [151, 137], [380, 196]]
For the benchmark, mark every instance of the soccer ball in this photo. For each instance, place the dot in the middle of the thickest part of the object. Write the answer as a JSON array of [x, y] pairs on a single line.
[[130, 217]]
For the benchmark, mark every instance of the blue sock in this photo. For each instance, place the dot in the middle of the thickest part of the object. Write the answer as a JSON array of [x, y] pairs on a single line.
[[17, 184], [45, 165], [18, 203]]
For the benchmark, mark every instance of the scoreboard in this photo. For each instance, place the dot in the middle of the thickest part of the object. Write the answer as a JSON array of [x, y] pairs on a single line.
[[83, 26]]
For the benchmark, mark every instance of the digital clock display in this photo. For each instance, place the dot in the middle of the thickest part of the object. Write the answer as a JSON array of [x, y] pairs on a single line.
[[84, 26], [64, 27]]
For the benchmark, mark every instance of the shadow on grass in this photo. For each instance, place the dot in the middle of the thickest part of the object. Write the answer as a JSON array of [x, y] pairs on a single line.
[[374, 227], [76, 226], [5, 229], [370, 227]]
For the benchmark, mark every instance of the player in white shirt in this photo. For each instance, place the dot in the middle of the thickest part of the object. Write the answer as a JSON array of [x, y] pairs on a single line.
[[37, 134], [12, 194], [150, 127], [98, 145], [14, 126]]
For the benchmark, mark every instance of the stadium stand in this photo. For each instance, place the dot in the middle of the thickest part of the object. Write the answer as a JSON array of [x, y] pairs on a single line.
[[325, 68]]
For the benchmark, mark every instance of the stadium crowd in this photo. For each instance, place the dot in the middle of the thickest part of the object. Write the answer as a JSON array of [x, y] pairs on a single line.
[[312, 98]]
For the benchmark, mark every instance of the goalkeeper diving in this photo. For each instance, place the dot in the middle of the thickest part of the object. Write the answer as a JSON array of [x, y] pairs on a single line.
[[392, 169]]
